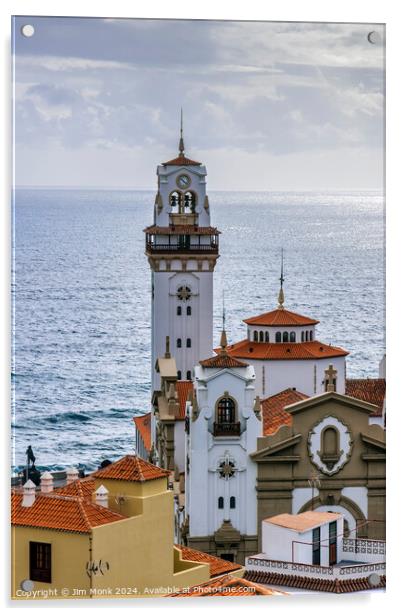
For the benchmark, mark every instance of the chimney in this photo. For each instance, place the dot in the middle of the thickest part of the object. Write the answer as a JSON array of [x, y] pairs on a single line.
[[46, 482], [72, 474], [28, 498], [101, 496]]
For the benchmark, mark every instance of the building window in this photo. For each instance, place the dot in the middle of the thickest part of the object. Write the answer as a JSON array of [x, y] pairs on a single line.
[[188, 311], [175, 199], [188, 343], [255, 336], [226, 410], [220, 502], [285, 337], [266, 336], [179, 375], [233, 502], [40, 562], [292, 337], [188, 375], [302, 336], [316, 546], [178, 344], [178, 311], [311, 334], [261, 336], [278, 337]]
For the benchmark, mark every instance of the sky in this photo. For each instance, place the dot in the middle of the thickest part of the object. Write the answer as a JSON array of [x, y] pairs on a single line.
[[267, 106]]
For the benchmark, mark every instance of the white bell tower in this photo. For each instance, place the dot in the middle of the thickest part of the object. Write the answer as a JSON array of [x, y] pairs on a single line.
[[182, 250]]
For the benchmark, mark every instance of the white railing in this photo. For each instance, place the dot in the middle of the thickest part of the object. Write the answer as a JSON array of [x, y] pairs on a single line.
[[366, 550], [314, 571]]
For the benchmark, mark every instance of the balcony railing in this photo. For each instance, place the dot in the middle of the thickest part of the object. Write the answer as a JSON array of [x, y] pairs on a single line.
[[186, 248], [226, 429]]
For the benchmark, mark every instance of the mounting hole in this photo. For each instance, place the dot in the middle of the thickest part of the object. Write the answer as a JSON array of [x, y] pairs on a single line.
[[374, 579], [374, 37], [28, 30], [27, 585]]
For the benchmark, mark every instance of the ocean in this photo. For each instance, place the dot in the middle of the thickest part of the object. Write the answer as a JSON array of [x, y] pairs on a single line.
[[81, 301]]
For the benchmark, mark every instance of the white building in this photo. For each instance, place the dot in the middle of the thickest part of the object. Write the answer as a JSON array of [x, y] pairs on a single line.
[[222, 429], [283, 348], [182, 250], [310, 551]]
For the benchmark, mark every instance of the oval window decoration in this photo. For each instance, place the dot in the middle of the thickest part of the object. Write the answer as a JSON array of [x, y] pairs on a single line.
[[330, 445], [184, 293]]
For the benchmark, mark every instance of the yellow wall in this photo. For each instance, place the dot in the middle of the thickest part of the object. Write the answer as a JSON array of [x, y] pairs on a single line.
[[70, 554]]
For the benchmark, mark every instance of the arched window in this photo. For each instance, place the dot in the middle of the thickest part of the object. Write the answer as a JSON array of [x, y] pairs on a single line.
[[255, 336], [266, 336], [292, 337], [330, 441], [285, 337], [179, 375], [188, 311], [188, 343], [174, 199], [278, 337], [233, 502], [261, 336], [178, 343], [226, 410], [220, 502], [189, 201], [311, 334], [178, 311], [188, 375], [302, 336]]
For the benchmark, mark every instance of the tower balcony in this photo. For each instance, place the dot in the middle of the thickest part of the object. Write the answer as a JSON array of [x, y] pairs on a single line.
[[181, 239], [227, 428], [183, 219]]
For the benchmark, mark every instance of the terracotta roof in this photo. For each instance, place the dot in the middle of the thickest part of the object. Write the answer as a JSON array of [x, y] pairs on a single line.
[[280, 317], [217, 566], [181, 230], [303, 521], [183, 388], [273, 410], [368, 390], [83, 488], [223, 360], [143, 426], [131, 468], [64, 513], [181, 160], [316, 584], [227, 585], [284, 350]]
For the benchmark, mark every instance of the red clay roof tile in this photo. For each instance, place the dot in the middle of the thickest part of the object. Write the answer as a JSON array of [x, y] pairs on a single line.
[[280, 317], [181, 230], [131, 468], [283, 350], [217, 566], [183, 388], [181, 160], [143, 426], [273, 414], [227, 585], [63, 513], [369, 390], [83, 488], [223, 360]]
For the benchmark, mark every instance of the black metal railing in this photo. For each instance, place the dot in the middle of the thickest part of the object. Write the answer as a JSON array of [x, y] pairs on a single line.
[[188, 248], [227, 429]]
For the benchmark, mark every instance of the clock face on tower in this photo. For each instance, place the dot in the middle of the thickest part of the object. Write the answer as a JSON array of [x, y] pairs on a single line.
[[183, 181]]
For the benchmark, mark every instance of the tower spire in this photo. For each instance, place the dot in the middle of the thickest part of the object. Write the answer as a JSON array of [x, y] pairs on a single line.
[[181, 141], [224, 340], [281, 295]]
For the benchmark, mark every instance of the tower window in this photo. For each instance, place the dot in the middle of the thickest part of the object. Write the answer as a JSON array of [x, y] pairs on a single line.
[[261, 336], [292, 337], [226, 410], [255, 336], [188, 343], [266, 336], [188, 311], [220, 502], [174, 199], [178, 311], [311, 334], [188, 375], [278, 337], [302, 336], [178, 344], [189, 201], [233, 502], [179, 375], [285, 337]]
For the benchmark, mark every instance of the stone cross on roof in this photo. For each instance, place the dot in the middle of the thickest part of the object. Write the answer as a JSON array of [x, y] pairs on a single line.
[[330, 378]]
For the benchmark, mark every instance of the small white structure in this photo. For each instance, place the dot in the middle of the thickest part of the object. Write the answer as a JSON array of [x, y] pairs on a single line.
[[46, 482], [28, 492], [309, 550], [102, 496], [72, 474], [311, 538]]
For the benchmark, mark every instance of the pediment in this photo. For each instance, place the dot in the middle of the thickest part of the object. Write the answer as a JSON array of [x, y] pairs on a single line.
[[271, 451]]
